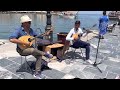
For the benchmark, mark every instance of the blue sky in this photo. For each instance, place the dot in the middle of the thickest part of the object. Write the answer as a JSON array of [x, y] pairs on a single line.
[[90, 12]]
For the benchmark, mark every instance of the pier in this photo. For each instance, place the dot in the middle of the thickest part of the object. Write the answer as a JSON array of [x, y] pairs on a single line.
[[109, 55]]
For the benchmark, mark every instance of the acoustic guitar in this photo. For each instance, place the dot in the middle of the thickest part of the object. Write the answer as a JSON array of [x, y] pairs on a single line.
[[31, 39]]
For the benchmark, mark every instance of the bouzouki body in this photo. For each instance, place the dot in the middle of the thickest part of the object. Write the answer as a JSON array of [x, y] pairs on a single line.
[[75, 36], [31, 39], [25, 39]]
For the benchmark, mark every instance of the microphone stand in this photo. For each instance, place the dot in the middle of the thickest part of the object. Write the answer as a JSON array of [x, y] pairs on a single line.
[[95, 63]]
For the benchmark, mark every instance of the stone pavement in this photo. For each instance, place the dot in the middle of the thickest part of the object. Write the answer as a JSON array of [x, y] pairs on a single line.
[[109, 55]]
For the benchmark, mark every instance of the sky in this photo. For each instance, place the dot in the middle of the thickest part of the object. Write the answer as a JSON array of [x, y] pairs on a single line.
[[90, 12]]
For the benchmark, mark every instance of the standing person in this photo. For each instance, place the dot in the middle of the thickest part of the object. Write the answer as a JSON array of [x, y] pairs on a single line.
[[76, 42], [23, 31], [103, 25], [118, 21]]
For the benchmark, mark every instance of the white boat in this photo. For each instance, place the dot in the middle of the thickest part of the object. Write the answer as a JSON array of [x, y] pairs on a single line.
[[114, 15], [68, 14]]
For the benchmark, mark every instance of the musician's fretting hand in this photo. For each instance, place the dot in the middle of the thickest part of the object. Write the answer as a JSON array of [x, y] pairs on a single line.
[[51, 30]]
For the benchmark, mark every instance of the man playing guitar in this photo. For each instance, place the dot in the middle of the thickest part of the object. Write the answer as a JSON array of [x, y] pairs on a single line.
[[74, 38], [25, 30]]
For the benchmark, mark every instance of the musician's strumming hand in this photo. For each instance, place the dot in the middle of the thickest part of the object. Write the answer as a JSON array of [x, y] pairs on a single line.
[[27, 44], [77, 36]]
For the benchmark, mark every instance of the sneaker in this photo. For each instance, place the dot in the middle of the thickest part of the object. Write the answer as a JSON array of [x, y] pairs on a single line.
[[101, 37], [39, 76], [48, 55], [94, 46], [117, 77], [89, 61]]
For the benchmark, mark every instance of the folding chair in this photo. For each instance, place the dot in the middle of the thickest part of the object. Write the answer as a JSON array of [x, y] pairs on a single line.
[[66, 48], [27, 65], [74, 51]]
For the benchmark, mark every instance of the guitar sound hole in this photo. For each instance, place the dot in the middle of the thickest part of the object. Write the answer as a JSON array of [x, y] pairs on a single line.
[[29, 39]]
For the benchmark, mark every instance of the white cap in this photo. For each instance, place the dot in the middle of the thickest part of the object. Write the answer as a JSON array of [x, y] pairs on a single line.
[[25, 18]]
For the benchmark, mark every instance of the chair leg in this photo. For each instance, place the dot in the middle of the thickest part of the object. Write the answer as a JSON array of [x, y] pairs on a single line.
[[21, 60], [82, 54], [21, 74], [28, 65], [73, 57]]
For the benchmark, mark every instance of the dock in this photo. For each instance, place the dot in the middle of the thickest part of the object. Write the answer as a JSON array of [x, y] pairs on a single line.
[[15, 12], [109, 55]]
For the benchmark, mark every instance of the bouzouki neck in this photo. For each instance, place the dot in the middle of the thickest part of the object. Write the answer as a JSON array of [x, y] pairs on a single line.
[[44, 34]]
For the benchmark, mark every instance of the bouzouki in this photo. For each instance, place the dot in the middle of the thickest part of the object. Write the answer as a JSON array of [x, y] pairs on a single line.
[[76, 35], [31, 39]]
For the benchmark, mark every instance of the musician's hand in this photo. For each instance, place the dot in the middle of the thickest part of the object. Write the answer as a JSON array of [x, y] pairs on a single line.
[[52, 29], [75, 39], [48, 33], [27, 44]]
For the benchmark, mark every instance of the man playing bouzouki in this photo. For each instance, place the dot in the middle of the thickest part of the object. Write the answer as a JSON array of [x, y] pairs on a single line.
[[25, 30], [74, 38]]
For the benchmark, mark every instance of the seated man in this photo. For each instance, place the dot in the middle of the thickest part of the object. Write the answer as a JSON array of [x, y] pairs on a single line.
[[74, 38], [23, 31]]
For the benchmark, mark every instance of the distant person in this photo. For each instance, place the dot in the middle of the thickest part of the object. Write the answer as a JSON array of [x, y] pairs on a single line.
[[103, 25], [23, 31], [74, 38], [119, 22]]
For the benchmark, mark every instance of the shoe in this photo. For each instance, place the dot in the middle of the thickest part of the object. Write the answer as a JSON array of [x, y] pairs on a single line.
[[60, 59], [94, 46], [89, 61], [39, 76], [102, 37], [117, 77], [48, 55]]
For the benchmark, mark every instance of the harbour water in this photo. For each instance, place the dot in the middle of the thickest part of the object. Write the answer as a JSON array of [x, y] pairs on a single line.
[[9, 22]]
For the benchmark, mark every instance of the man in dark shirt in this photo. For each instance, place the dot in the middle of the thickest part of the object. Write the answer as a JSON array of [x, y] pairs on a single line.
[[26, 30]]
